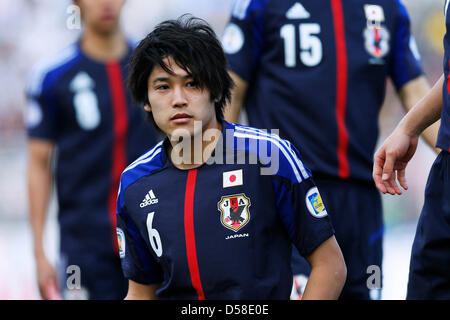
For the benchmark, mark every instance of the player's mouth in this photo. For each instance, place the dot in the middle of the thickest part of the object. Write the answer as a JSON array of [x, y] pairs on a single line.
[[181, 118], [108, 16]]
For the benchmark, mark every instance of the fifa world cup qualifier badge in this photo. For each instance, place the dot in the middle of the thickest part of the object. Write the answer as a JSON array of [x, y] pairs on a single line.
[[121, 242], [315, 204], [234, 211], [376, 37]]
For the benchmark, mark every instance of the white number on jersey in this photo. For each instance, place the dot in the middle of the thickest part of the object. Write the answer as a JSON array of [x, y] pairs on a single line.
[[85, 101], [311, 52], [153, 234]]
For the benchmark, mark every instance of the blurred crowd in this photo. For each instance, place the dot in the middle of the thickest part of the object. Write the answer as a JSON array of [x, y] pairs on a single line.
[[31, 30]]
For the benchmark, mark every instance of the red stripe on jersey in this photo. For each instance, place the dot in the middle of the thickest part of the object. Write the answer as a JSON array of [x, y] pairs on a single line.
[[189, 232], [448, 79], [120, 127], [341, 88]]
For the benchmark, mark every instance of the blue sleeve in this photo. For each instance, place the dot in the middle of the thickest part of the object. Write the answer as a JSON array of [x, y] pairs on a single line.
[[303, 213], [137, 262], [243, 37], [41, 112], [299, 203], [405, 65]]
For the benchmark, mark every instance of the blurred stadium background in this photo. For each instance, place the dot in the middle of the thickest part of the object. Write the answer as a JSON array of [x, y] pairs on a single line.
[[32, 29]]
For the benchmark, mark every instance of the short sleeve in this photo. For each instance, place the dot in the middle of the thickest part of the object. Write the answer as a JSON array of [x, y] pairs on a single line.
[[137, 262], [405, 63], [40, 113], [243, 37], [299, 204]]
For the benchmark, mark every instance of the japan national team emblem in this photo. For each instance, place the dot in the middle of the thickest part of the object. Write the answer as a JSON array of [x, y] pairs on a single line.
[[374, 13], [234, 211], [376, 37], [315, 204], [376, 41]]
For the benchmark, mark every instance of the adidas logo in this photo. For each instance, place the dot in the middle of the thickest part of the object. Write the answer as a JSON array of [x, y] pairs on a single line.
[[297, 11], [149, 199]]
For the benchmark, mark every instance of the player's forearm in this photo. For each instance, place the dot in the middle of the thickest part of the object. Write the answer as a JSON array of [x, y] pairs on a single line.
[[138, 291], [426, 112], [39, 185], [233, 110], [328, 272], [410, 94], [325, 282], [430, 134]]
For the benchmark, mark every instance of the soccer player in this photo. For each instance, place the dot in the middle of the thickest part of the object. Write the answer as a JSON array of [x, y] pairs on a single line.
[[194, 220], [429, 276], [317, 71], [81, 113]]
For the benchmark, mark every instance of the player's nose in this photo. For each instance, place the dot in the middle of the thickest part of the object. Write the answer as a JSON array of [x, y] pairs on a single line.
[[179, 98]]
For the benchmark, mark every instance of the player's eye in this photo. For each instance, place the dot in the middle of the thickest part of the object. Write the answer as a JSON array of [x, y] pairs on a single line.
[[162, 87], [191, 84]]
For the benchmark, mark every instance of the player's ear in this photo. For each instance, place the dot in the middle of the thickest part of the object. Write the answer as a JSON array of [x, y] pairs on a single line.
[[147, 108]]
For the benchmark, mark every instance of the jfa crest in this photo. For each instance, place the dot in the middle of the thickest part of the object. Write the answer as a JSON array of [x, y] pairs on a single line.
[[376, 37], [376, 41], [234, 212]]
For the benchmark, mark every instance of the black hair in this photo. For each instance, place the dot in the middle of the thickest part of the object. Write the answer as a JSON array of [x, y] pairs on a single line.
[[193, 45]]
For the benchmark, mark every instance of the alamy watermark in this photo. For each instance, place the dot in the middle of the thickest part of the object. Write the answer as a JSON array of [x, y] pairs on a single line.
[[374, 279], [236, 146], [73, 281], [73, 21]]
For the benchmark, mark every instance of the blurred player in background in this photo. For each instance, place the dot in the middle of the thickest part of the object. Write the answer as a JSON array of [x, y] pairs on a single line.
[[80, 112], [429, 276], [317, 71]]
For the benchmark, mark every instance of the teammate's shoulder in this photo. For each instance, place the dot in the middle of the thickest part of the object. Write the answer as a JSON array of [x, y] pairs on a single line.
[[50, 67], [241, 8]]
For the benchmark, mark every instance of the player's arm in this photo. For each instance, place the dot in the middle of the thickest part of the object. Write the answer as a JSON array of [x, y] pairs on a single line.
[[410, 94], [328, 272], [233, 110], [138, 265], [39, 187], [139, 291], [243, 43], [391, 158]]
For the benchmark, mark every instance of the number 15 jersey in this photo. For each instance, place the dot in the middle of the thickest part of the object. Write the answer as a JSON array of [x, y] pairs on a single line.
[[317, 71]]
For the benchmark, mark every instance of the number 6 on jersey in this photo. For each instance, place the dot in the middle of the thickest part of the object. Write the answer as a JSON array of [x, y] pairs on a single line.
[[153, 234]]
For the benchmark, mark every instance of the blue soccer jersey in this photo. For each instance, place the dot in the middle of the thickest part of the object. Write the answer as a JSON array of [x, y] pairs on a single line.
[[83, 106], [317, 71], [443, 141], [225, 229]]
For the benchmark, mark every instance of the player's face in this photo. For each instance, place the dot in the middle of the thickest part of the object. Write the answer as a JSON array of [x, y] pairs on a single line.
[[176, 101], [101, 15]]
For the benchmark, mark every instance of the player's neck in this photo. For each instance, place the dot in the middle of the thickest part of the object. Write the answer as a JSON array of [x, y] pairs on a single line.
[[104, 47], [201, 148]]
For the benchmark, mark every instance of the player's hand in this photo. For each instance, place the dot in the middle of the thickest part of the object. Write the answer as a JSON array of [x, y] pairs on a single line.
[[390, 161], [47, 280]]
